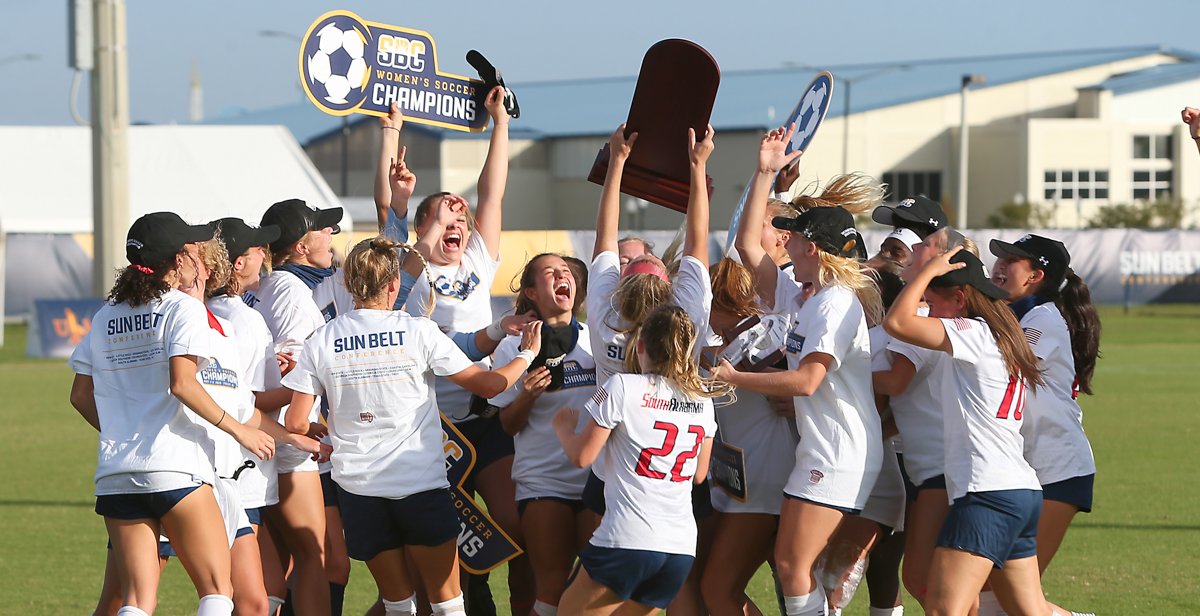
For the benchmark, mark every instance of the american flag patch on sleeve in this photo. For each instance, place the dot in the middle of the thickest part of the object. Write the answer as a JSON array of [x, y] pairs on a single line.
[[600, 397], [962, 324], [1032, 335]]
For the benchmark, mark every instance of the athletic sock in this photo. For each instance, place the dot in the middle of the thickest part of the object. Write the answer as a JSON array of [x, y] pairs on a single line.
[[215, 605], [286, 608], [129, 610], [337, 596], [541, 608], [988, 604], [812, 604], [449, 607], [1082, 614], [273, 604], [835, 611], [887, 611], [407, 607]]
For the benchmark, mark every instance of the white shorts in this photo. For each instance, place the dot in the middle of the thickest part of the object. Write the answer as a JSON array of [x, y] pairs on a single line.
[[259, 486], [288, 459], [232, 512], [839, 474], [888, 498]]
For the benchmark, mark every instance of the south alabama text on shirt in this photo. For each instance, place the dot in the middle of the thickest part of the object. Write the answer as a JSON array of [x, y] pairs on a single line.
[[674, 405]]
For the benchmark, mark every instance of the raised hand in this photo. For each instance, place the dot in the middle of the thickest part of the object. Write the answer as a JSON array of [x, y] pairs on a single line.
[[618, 146], [394, 118], [772, 148], [531, 337], [495, 106], [699, 151], [514, 323], [1191, 117], [402, 179]]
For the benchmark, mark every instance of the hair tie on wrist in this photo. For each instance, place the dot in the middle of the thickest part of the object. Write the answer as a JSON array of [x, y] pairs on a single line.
[[143, 269], [391, 127], [223, 414]]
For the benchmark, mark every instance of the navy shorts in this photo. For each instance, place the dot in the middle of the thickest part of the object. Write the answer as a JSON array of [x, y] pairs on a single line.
[[164, 548], [933, 483], [491, 443], [910, 488], [1000, 525], [374, 524], [151, 506], [575, 504], [649, 578], [329, 489], [255, 515], [593, 494], [593, 497], [1074, 491]]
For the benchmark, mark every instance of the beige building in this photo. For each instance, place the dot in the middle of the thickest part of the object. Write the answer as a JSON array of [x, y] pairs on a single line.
[[1071, 131]]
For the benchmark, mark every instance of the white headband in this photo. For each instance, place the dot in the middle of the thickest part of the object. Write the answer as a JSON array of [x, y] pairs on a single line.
[[906, 237]]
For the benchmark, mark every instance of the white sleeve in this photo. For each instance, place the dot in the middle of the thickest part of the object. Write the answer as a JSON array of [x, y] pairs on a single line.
[[832, 327], [81, 357], [304, 377], [262, 354], [607, 405], [693, 291], [441, 354], [709, 419], [477, 251], [187, 329], [787, 292], [1036, 327], [505, 354], [915, 354], [968, 338], [294, 325], [604, 275]]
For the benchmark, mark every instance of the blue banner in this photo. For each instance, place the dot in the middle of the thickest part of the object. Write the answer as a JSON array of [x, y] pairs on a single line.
[[349, 66], [482, 544], [61, 325]]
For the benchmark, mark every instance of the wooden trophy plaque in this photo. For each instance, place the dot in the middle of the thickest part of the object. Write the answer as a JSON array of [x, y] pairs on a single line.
[[676, 89]]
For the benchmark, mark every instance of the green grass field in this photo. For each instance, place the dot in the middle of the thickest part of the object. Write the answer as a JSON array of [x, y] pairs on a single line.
[[1137, 552]]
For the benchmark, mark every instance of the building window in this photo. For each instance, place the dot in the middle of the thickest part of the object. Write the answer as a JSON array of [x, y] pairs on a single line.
[[1152, 146], [1159, 187], [908, 184], [1069, 184]]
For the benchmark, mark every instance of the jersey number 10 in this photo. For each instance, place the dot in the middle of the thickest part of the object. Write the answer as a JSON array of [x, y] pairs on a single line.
[[643, 465]]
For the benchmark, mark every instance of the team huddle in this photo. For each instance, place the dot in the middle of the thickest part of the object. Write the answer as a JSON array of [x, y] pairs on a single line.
[[649, 429]]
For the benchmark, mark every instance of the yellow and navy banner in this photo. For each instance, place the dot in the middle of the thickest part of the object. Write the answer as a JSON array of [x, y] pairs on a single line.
[[59, 325], [349, 66], [482, 544]]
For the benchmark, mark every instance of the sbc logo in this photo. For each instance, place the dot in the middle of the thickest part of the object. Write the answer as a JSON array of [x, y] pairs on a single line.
[[334, 64], [400, 53]]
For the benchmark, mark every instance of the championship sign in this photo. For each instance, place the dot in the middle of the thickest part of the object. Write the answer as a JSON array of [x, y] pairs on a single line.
[[482, 544], [349, 66]]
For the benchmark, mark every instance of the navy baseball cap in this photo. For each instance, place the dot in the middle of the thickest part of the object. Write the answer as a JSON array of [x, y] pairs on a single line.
[[830, 228], [295, 218], [240, 237], [156, 237], [974, 274], [921, 214], [1045, 254]]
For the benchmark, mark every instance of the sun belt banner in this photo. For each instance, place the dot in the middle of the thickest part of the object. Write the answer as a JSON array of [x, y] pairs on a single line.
[[349, 66]]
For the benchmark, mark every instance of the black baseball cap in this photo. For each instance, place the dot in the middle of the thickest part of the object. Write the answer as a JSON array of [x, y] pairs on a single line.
[[974, 274], [831, 228], [1045, 254], [295, 218], [156, 237], [920, 213], [240, 237]]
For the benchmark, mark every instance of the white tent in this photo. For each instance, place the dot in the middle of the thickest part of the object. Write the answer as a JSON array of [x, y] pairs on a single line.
[[200, 172]]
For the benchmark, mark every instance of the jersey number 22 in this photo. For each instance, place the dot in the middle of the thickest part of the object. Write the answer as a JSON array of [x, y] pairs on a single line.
[[643, 465]]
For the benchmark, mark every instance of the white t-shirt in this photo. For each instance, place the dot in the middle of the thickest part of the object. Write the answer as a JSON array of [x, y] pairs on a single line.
[[377, 367], [692, 291], [223, 379], [650, 459], [983, 409], [841, 442], [287, 305], [918, 412], [331, 296], [464, 304], [143, 428], [888, 498], [1055, 443], [259, 485], [540, 467]]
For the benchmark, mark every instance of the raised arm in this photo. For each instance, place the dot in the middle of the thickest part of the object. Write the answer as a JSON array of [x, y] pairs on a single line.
[[582, 448], [608, 216], [494, 176], [802, 381], [903, 323], [490, 383], [389, 143], [1191, 117], [695, 238], [771, 158]]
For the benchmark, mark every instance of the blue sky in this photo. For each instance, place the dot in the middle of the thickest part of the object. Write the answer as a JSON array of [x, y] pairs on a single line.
[[534, 40]]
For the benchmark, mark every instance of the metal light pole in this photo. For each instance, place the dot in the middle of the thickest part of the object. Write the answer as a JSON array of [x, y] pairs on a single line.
[[961, 218], [846, 106], [110, 142]]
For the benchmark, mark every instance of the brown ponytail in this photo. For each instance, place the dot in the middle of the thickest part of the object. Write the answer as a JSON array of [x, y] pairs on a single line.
[[733, 289], [1074, 301], [857, 192], [635, 297], [669, 336], [1014, 348], [372, 265], [138, 285]]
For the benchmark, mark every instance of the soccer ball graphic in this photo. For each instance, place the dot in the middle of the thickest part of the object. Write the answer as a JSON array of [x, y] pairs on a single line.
[[338, 62]]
